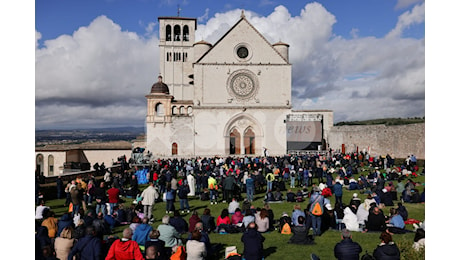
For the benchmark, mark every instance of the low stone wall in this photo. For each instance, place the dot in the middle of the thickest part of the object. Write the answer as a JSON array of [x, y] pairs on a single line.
[[399, 140]]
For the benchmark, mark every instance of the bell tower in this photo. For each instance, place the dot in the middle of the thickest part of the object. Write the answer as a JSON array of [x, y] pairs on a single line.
[[177, 36]]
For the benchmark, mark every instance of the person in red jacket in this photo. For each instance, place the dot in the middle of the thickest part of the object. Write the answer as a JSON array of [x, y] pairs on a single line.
[[125, 248], [113, 194]]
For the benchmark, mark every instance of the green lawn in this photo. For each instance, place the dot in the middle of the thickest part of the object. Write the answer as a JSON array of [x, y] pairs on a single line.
[[275, 245]]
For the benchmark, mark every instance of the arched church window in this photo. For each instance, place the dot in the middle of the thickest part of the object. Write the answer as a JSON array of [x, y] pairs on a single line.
[[235, 139], [182, 110], [249, 142], [174, 149], [189, 111], [185, 33], [175, 111], [159, 109], [168, 33], [39, 161], [50, 165], [176, 32]]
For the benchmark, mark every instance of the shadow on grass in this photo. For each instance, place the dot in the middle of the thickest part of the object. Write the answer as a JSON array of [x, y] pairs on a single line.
[[268, 251]]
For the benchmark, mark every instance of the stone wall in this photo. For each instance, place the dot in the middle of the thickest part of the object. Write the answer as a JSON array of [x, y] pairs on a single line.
[[399, 140]]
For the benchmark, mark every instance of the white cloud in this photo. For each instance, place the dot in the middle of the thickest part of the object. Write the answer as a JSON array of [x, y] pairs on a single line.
[[408, 18], [100, 74], [358, 78], [204, 17], [99, 71], [38, 36]]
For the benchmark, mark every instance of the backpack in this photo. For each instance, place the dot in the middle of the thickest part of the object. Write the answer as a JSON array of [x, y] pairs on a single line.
[[286, 229], [180, 254], [317, 210]]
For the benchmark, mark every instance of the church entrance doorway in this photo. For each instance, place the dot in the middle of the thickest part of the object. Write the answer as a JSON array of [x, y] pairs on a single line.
[[235, 140]]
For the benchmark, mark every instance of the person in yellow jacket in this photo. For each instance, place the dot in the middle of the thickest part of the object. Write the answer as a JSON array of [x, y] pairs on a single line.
[[270, 177], [212, 186]]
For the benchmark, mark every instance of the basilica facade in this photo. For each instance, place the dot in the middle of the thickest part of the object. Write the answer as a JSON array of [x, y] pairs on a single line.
[[232, 97]]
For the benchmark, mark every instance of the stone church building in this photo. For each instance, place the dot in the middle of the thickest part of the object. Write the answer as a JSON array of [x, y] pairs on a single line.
[[233, 97]]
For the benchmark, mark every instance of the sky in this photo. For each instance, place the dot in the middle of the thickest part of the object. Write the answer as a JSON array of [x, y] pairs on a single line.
[[96, 60]]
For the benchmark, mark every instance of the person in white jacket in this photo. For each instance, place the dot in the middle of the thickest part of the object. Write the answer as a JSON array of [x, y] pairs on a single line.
[[149, 195], [191, 183], [350, 220]]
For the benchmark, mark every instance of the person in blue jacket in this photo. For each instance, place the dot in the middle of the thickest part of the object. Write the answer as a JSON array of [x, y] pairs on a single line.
[[338, 192], [89, 246], [141, 234]]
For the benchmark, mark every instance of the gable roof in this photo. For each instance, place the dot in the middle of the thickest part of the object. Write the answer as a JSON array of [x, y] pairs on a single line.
[[243, 18]]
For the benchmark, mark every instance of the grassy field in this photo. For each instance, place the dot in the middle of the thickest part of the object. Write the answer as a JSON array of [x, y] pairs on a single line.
[[275, 245]]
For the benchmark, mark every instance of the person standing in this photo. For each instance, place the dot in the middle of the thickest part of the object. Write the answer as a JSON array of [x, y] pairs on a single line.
[[337, 190], [184, 190], [347, 249], [134, 186], [149, 195], [59, 187], [113, 194], [192, 184], [76, 200], [229, 185], [101, 199], [250, 187], [253, 243], [316, 210], [270, 177], [212, 186]]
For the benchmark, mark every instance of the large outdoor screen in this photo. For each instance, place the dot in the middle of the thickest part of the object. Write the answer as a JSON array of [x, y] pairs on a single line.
[[303, 135]]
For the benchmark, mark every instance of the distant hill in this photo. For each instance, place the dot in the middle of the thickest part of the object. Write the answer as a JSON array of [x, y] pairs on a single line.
[[385, 121], [44, 137]]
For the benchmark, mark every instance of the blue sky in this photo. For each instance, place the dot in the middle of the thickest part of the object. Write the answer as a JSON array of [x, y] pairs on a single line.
[[363, 59], [370, 17]]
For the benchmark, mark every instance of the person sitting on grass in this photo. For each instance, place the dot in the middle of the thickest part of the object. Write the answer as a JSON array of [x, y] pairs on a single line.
[[396, 223], [125, 248], [223, 220], [262, 220], [142, 232], [152, 252], [89, 246], [253, 243], [300, 233], [248, 218], [195, 248], [290, 196], [347, 249], [375, 220], [178, 222], [296, 213], [387, 249], [237, 218], [208, 220], [157, 243], [169, 234]]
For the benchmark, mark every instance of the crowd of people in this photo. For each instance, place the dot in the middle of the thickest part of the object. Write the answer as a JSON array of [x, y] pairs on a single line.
[[96, 206]]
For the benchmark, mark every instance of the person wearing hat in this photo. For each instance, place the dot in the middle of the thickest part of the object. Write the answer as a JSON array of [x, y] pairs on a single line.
[[347, 248], [316, 210], [355, 201]]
